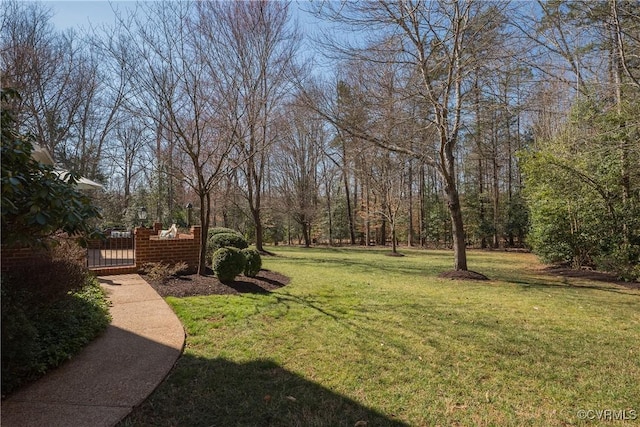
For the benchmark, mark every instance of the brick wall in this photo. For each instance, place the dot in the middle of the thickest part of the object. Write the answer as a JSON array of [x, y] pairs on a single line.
[[148, 248], [13, 258], [151, 248]]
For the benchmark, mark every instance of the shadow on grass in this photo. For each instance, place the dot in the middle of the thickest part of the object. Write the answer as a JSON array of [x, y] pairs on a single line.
[[218, 392], [568, 278], [264, 283], [537, 283], [245, 287], [356, 265], [595, 276]]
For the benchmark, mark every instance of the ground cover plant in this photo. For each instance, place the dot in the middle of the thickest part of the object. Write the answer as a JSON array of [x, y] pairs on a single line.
[[359, 338], [39, 336]]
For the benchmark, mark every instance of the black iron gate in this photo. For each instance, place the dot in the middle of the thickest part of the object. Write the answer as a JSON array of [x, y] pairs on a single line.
[[117, 249]]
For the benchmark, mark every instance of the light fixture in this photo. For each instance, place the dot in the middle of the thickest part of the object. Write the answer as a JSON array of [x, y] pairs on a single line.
[[142, 215], [189, 209]]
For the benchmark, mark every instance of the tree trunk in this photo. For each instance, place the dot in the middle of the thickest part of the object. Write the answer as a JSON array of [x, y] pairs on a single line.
[[205, 206], [455, 210], [423, 210], [496, 202], [306, 234], [368, 213], [347, 193], [259, 230], [328, 194], [457, 228], [394, 246], [352, 233], [410, 219], [483, 238]]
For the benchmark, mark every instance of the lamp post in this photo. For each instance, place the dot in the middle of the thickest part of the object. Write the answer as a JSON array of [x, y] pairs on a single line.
[[142, 215], [189, 209]]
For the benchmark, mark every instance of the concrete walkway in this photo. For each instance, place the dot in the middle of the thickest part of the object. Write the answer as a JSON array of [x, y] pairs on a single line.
[[113, 374]]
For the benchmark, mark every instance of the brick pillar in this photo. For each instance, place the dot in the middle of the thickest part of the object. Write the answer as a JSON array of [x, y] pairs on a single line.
[[142, 246], [157, 227], [195, 232]]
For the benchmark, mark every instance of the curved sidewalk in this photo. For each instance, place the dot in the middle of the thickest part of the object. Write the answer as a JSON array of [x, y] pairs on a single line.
[[113, 374]]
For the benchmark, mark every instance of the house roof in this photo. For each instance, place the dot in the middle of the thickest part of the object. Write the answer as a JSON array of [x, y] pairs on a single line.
[[81, 184], [42, 155]]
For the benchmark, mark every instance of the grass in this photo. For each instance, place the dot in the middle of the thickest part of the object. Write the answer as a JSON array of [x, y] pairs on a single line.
[[361, 337]]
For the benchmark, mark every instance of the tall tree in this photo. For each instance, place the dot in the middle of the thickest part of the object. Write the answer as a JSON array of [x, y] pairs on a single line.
[[52, 72], [434, 42], [300, 150], [350, 111], [184, 97], [259, 46]]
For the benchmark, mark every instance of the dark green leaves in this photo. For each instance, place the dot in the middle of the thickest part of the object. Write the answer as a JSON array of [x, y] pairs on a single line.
[[35, 202]]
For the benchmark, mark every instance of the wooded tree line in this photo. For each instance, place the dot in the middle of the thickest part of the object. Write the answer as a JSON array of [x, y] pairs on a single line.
[[440, 123]]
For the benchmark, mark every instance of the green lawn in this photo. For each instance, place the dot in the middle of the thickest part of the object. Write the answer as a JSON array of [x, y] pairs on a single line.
[[358, 337]]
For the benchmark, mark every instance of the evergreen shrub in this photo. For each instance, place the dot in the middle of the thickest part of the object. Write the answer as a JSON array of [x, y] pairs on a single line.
[[226, 240], [219, 230], [227, 263], [40, 335], [253, 262]]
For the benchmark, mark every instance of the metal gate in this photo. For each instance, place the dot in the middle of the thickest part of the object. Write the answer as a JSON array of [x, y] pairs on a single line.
[[118, 249]]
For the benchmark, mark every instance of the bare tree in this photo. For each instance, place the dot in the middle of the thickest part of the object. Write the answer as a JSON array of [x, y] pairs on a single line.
[[256, 49], [124, 156], [105, 85], [329, 174], [388, 177], [300, 151], [433, 42], [183, 96], [47, 68]]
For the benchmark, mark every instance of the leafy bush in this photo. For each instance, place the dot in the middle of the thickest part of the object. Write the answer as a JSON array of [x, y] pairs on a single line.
[[225, 240], [19, 339], [38, 338], [624, 261], [253, 262], [227, 263], [159, 272], [580, 213], [36, 202], [214, 243], [52, 277]]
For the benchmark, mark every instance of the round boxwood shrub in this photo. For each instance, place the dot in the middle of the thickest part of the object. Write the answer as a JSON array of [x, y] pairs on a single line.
[[227, 263], [225, 240], [253, 262], [219, 230]]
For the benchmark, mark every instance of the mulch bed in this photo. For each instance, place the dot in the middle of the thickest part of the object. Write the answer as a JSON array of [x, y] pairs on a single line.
[[193, 284]]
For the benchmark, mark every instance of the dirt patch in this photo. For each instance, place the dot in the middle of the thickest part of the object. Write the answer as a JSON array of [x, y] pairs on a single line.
[[195, 285], [462, 275]]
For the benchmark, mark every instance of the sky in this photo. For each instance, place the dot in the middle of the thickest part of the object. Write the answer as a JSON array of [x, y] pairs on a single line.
[[78, 14], [83, 13], [75, 14]]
